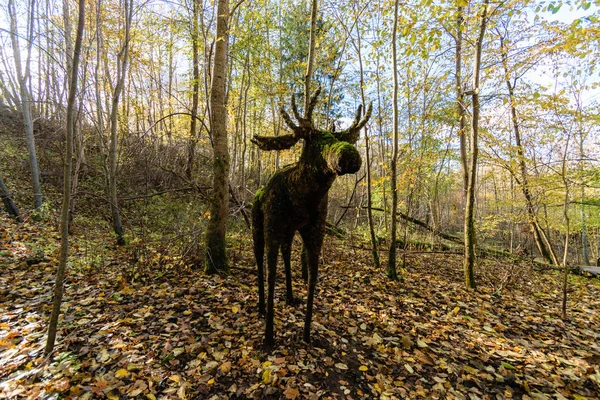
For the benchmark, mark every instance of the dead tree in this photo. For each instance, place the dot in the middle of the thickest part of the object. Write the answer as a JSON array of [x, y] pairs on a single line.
[[295, 199]]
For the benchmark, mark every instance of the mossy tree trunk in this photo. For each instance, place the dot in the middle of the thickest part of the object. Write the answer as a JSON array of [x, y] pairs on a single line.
[[216, 255]]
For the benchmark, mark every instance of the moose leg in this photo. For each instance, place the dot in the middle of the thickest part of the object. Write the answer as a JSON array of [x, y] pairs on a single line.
[[304, 261], [258, 236], [286, 253], [313, 239], [272, 250]]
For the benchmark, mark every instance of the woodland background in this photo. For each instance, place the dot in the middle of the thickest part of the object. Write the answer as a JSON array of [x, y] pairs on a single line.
[[163, 157], [142, 148]]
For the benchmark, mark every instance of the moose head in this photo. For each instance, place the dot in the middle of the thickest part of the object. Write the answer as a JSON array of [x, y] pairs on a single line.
[[326, 151], [295, 199]]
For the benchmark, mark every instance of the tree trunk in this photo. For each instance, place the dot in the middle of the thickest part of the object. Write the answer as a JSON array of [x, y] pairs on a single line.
[[64, 215], [216, 255], [195, 88], [469, 261], [567, 232], [374, 250], [460, 99], [584, 237], [25, 100], [391, 267], [122, 59], [539, 235], [311, 54]]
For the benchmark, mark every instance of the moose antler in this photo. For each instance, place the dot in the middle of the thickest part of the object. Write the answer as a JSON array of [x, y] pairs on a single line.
[[352, 133], [281, 142], [305, 124]]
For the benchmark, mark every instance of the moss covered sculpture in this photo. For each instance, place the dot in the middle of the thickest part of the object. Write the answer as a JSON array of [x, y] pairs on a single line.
[[295, 199]]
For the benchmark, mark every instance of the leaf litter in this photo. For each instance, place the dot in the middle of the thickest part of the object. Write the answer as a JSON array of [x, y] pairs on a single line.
[[192, 336]]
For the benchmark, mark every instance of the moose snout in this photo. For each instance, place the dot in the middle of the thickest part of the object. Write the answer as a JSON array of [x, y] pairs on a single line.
[[343, 158]]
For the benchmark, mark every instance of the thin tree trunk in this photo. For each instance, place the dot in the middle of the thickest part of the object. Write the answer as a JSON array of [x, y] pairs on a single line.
[[374, 250], [539, 235], [311, 54], [584, 237], [469, 262], [460, 99], [122, 59], [38, 197], [391, 267], [567, 230], [64, 215], [195, 88], [216, 255]]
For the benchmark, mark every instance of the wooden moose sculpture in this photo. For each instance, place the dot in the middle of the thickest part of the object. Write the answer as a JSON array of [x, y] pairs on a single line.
[[295, 199]]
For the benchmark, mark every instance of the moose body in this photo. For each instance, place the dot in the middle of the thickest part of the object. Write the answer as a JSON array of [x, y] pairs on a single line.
[[295, 200]]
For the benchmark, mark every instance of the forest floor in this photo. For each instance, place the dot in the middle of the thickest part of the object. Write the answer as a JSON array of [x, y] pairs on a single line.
[[186, 335]]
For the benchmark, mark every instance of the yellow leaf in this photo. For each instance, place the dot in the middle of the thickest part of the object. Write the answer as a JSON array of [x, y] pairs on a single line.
[[234, 309], [112, 396], [266, 376], [363, 368], [128, 291], [211, 381], [150, 396], [456, 310], [122, 373], [175, 378], [267, 364]]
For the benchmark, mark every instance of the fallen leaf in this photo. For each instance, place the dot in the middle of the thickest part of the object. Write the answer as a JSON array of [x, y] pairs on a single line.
[[291, 393]]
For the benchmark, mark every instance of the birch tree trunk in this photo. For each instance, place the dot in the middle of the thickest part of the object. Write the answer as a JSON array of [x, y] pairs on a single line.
[[25, 98]]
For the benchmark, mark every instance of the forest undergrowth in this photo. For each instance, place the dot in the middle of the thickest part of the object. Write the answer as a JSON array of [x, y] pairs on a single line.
[[186, 335]]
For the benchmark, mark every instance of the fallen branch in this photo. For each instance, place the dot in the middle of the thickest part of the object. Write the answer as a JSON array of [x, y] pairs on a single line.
[[419, 223]]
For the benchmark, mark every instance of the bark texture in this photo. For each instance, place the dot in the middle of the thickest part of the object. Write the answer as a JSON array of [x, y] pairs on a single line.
[[216, 254]]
